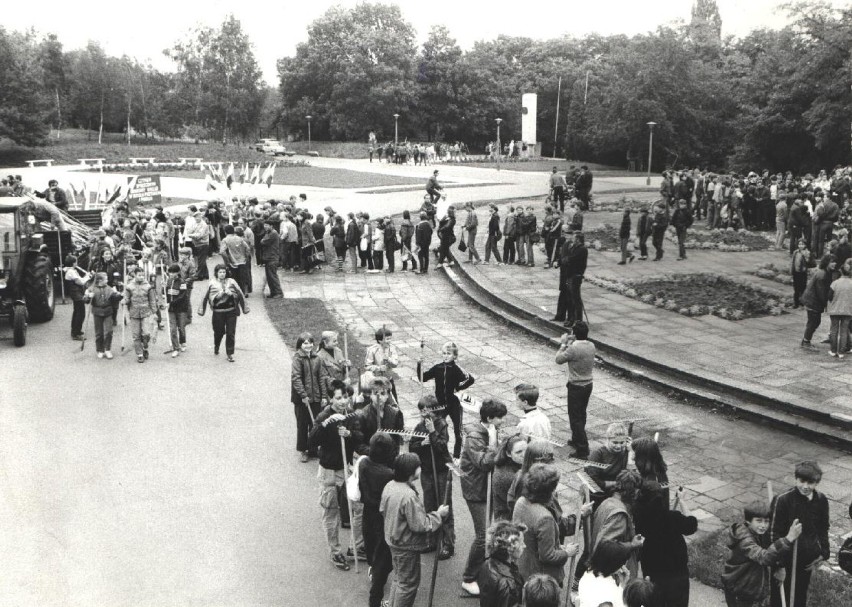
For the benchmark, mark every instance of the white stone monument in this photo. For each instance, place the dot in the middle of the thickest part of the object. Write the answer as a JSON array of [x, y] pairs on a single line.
[[529, 110]]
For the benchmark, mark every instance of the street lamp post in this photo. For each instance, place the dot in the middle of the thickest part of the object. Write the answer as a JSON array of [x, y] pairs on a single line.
[[309, 131], [499, 147], [651, 126], [395, 131]]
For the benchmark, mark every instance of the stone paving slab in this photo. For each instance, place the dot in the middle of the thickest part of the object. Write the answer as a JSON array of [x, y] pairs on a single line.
[[761, 354]]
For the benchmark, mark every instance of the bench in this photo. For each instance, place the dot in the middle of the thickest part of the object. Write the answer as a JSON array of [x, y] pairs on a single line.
[[33, 163], [142, 160], [96, 162], [185, 161]]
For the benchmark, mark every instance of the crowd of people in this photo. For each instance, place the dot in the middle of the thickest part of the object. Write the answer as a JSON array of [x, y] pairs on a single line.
[[145, 262], [420, 154], [526, 549]]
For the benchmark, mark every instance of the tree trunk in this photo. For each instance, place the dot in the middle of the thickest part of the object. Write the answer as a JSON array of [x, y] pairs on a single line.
[[101, 127], [58, 114], [227, 108], [144, 110]]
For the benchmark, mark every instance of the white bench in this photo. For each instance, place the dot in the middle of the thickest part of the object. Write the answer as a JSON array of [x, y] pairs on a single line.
[[142, 160], [96, 162], [46, 162], [185, 161]]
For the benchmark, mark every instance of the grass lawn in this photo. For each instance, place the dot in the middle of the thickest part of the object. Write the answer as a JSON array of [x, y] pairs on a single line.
[[321, 177], [707, 558], [294, 316], [545, 165], [79, 144]]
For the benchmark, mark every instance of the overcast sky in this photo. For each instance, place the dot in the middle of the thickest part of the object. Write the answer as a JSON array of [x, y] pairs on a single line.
[[144, 29]]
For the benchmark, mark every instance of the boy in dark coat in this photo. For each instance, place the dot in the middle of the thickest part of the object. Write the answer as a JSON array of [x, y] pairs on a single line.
[[434, 482], [810, 507], [747, 573]]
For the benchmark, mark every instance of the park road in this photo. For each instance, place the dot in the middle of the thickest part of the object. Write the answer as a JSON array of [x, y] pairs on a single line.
[[172, 482]]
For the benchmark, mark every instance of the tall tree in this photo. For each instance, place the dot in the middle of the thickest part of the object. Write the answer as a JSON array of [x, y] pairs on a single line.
[[355, 71], [440, 81], [54, 67], [219, 83], [24, 105]]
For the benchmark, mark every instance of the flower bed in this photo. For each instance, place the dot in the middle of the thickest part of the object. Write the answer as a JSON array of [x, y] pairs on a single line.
[[780, 274], [699, 294], [728, 240], [604, 238]]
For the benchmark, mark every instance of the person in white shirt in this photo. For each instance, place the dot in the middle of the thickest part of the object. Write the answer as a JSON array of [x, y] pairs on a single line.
[[189, 225], [605, 579], [534, 422]]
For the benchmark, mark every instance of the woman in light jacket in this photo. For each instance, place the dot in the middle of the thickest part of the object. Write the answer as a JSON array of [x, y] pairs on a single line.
[[840, 310], [543, 552]]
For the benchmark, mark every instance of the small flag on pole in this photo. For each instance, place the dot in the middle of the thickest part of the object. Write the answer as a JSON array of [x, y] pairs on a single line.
[[229, 179], [255, 175]]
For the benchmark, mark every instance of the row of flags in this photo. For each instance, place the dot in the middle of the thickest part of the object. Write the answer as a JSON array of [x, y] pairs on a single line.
[[84, 196], [255, 175]]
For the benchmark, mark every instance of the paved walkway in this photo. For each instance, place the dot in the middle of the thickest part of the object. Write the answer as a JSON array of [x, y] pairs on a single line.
[[759, 354], [724, 463]]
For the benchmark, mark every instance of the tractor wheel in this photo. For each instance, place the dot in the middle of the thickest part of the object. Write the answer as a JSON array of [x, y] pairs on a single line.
[[19, 325], [37, 286]]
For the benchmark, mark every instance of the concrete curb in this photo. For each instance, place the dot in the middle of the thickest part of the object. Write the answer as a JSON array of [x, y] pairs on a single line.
[[788, 416]]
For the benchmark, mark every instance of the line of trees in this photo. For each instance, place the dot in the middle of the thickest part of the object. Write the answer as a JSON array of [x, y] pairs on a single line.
[[778, 99], [217, 91]]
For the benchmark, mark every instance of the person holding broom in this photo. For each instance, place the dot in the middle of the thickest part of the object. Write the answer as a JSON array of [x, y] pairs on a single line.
[[433, 449], [810, 507], [407, 526], [332, 423]]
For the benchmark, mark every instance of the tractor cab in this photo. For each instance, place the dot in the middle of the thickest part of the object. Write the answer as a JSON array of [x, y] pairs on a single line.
[[26, 267]]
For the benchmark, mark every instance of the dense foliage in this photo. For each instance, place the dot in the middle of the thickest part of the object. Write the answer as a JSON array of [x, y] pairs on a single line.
[[776, 99]]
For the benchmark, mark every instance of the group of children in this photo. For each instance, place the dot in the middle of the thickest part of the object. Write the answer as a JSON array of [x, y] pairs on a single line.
[[402, 505]]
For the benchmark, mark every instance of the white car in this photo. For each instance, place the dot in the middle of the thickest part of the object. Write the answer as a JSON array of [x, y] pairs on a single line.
[[271, 146]]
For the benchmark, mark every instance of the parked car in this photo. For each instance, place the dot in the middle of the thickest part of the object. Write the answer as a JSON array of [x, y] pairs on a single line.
[[271, 146]]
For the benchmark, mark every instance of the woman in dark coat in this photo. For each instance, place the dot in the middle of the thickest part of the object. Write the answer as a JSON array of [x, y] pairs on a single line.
[[308, 376]]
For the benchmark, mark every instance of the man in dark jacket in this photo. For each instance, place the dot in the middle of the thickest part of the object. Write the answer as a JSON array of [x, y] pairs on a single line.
[[643, 231], [270, 245], [573, 267], [477, 463], [682, 189], [422, 240], [583, 186], [563, 306], [681, 220], [658, 230], [810, 507], [624, 237], [826, 215], [800, 225]]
